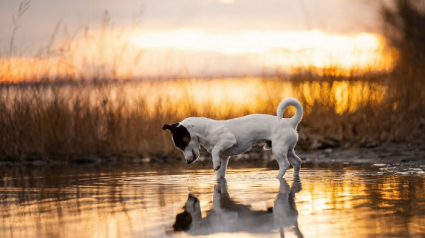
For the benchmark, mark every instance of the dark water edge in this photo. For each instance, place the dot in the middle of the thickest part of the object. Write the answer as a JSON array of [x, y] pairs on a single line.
[[401, 154]]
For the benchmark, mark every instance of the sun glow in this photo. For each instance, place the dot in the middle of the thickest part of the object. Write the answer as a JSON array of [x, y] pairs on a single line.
[[199, 53], [290, 49], [257, 41]]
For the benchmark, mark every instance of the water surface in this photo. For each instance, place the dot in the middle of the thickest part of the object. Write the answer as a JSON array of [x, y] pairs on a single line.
[[180, 201]]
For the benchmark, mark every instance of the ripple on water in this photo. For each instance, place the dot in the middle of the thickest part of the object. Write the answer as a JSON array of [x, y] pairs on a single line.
[[387, 169], [323, 202]]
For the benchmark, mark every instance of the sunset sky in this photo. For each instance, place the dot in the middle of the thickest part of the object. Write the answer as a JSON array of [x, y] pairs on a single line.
[[193, 38]]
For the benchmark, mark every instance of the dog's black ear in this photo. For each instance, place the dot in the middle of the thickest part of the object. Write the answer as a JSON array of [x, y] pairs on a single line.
[[171, 127], [183, 221], [168, 127]]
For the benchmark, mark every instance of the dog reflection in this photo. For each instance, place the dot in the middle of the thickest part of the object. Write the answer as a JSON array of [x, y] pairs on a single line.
[[230, 216]]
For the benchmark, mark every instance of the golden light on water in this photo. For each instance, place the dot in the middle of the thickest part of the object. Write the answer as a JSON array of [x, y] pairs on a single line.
[[18, 69], [331, 203], [223, 97]]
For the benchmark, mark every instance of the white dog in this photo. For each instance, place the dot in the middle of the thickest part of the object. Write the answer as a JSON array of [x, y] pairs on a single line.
[[230, 216], [225, 138]]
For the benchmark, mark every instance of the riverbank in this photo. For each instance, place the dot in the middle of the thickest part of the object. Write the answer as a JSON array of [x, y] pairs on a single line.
[[382, 154], [389, 153]]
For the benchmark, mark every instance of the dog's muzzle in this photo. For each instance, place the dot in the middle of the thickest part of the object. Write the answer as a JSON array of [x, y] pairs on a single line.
[[193, 158], [193, 199]]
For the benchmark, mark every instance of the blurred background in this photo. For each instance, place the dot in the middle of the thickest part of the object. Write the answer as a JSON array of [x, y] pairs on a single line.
[[100, 78]]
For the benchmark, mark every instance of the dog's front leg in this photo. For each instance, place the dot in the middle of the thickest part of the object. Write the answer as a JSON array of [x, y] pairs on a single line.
[[221, 172], [218, 149]]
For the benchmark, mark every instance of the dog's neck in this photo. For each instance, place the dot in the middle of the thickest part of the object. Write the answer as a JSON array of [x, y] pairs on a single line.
[[197, 126]]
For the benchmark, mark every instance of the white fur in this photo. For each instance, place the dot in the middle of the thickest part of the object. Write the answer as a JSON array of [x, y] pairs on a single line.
[[225, 138], [229, 216]]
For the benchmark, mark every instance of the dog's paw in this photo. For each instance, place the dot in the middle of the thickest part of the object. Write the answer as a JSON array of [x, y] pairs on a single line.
[[217, 167]]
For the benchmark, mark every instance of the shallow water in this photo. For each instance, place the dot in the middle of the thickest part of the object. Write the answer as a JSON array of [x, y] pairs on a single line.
[[338, 201]]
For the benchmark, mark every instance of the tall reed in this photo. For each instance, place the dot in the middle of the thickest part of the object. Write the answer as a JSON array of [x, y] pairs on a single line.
[[124, 119]]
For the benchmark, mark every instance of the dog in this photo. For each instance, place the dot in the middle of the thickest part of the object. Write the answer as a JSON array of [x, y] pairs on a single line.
[[229, 216], [225, 138]]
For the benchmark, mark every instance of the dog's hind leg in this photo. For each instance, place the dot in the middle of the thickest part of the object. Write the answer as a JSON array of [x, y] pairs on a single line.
[[295, 161], [281, 157], [221, 172]]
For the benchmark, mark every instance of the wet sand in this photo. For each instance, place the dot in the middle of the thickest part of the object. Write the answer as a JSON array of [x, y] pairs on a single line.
[[383, 154], [406, 154]]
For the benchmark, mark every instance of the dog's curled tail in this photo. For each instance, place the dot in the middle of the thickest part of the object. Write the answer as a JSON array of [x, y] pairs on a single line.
[[293, 121]]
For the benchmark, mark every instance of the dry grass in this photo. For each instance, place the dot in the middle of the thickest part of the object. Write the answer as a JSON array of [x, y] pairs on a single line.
[[72, 120], [62, 121]]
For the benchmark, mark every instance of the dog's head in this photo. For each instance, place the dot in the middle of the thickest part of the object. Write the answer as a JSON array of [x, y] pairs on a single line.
[[183, 140], [192, 214]]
